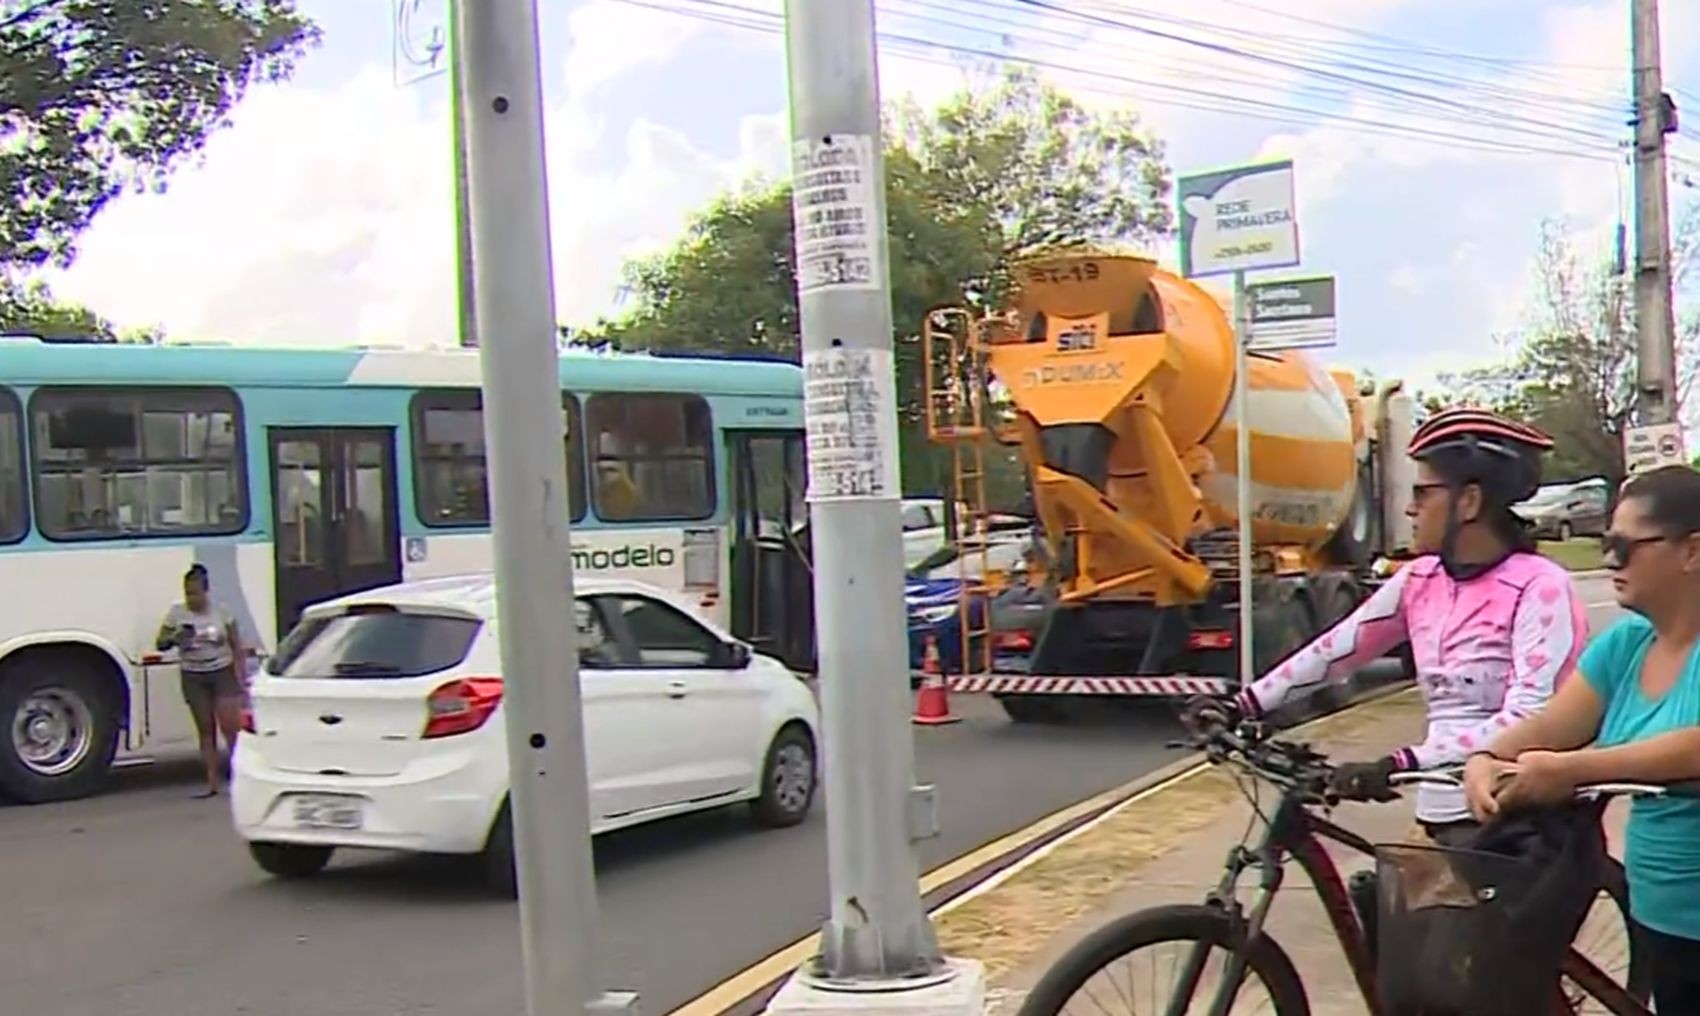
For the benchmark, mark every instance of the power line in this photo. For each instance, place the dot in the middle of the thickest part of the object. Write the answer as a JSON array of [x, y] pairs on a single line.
[[1540, 129], [755, 19]]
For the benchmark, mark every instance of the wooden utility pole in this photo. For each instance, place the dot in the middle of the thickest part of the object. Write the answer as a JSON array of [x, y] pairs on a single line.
[[1655, 323]]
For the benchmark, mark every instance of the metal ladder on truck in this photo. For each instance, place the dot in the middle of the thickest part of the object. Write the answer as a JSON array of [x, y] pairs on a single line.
[[957, 395]]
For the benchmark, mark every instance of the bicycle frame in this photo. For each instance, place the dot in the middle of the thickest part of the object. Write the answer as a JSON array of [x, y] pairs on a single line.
[[1297, 832]]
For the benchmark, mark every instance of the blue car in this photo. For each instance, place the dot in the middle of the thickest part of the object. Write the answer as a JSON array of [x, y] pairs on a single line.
[[933, 600]]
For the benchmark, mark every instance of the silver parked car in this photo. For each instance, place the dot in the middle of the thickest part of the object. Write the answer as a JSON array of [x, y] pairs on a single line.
[[1565, 510]]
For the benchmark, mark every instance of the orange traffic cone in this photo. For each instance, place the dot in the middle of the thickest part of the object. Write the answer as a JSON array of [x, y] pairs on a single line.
[[932, 703]]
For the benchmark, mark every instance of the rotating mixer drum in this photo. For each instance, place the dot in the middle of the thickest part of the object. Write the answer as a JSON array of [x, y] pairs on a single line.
[[1101, 333]]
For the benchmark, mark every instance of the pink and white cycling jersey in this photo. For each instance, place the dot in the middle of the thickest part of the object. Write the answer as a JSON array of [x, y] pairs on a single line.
[[1489, 651]]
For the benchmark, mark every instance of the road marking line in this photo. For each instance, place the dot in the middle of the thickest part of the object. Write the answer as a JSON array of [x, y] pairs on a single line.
[[746, 982], [1597, 604]]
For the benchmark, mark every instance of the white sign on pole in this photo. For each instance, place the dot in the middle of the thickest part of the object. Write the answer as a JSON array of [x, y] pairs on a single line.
[[418, 40], [838, 226], [1648, 448], [849, 401], [1233, 221], [1291, 314], [1241, 219]]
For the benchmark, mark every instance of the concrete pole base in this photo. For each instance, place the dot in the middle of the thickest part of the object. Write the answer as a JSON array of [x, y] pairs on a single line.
[[962, 992]]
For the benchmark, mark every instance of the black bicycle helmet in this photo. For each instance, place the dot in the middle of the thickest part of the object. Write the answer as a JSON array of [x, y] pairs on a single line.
[[1502, 457]]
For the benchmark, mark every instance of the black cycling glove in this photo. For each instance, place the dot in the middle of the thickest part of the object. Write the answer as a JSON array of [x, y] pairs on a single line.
[[1203, 712], [1365, 781]]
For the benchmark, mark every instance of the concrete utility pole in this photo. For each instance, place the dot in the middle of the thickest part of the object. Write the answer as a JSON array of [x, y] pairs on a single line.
[[514, 296], [463, 211], [879, 952], [1655, 323]]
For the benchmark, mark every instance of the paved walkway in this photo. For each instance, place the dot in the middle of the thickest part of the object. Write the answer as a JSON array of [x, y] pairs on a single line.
[[1168, 846]]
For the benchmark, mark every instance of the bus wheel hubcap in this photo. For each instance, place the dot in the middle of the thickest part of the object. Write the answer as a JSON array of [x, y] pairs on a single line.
[[50, 731]]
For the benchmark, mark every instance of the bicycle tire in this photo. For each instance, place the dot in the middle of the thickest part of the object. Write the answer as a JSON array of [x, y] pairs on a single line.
[[1639, 983], [1174, 923]]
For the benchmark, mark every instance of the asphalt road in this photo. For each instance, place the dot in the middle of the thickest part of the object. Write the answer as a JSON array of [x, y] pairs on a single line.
[[143, 903]]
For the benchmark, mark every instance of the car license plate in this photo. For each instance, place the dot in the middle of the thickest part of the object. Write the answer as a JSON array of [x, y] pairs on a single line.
[[329, 812]]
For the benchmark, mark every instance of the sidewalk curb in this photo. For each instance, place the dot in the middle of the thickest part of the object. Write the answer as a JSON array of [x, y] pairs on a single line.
[[984, 869]]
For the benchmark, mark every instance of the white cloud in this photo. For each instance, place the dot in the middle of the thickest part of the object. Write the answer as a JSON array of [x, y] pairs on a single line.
[[324, 216]]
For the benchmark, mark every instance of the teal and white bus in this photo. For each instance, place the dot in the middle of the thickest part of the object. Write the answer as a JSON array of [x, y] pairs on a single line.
[[294, 475]]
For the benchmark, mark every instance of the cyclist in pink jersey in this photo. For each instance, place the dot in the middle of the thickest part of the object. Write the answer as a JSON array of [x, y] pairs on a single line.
[[1493, 625]]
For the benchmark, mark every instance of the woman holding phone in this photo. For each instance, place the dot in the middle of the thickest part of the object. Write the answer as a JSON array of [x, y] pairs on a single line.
[[209, 646]]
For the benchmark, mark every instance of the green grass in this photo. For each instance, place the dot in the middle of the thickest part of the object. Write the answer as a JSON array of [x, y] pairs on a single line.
[[1581, 554]]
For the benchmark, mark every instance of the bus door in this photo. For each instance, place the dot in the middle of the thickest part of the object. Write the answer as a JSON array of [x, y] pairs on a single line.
[[335, 528], [772, 583]]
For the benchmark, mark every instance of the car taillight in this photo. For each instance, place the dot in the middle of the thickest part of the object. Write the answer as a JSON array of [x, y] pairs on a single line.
[[1211, 639], [1020, 641], [461, 706]]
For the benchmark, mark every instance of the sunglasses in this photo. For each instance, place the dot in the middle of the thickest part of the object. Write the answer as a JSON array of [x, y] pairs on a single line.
[[1617, 549], [1420, 489]]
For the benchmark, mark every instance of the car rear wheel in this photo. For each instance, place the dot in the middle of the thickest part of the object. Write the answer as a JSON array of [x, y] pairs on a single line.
[[787, 779], [501, 872], [290, 860]]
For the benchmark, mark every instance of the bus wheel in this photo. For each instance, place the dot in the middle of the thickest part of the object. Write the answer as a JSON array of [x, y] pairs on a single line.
[[58, 728]]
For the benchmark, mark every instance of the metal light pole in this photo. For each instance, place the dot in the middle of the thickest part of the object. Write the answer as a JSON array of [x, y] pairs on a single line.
[[514, 300], [878, 948], [1243, 499]]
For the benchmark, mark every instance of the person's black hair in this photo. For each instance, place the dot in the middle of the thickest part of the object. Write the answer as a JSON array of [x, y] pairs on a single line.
[[1503, 483], [1670, 496], [198, 571]]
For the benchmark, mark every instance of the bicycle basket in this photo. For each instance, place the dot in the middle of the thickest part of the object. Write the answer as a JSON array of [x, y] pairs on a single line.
[[1472, 932]]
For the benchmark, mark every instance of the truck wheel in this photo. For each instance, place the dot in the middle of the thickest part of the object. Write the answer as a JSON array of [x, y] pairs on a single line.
[[1029, 709], [58, 728], [1355, 541]]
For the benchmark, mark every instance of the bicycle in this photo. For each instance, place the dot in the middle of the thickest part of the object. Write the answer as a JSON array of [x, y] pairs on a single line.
[[1294, 830]]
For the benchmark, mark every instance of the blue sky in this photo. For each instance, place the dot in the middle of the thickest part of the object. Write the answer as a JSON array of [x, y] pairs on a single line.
[[323, 216]]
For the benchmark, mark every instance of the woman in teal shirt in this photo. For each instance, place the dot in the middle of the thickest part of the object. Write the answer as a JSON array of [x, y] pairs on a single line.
[[1635, 716]]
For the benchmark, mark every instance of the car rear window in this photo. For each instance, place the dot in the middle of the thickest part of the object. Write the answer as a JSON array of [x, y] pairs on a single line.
[[375, 644]]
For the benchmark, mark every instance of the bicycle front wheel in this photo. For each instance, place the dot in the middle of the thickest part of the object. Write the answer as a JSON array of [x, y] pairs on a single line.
[[1137, 963], [1605, 938]]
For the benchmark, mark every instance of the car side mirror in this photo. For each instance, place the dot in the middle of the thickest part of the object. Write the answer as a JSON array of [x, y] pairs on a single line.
[[738, 655]]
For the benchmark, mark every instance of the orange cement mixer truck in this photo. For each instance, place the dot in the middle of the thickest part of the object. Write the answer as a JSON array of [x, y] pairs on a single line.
[[1114, 381]]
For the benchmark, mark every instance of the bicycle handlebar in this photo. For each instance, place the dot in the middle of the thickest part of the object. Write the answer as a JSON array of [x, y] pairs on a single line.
[[1301, 768], [1452, 778]]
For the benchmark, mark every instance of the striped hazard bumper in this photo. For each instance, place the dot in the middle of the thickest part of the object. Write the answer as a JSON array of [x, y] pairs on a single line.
[[1021, 684]]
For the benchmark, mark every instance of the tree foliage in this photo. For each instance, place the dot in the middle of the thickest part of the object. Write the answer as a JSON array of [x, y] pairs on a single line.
[[97, 96], [989, 176], [1571, 369], [32, 309]]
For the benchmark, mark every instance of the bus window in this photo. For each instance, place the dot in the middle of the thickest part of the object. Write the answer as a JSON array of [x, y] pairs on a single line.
[[654, 459], [14, 510], [137, 462], [451, 482]]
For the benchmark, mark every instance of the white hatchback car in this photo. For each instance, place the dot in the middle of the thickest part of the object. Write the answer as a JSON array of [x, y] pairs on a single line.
[[379, 724]]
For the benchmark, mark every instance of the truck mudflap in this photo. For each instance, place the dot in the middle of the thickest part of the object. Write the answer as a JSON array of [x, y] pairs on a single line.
[[1025, 684]]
